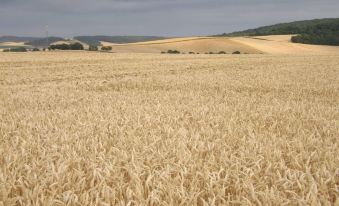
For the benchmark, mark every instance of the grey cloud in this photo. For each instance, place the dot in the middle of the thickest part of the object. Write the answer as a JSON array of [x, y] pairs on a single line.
[[153, 17]]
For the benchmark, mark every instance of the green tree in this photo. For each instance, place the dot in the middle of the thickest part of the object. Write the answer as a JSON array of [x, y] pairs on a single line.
[[76, 46], [106, 48], [173, 52], [60, 47], [18, 49]]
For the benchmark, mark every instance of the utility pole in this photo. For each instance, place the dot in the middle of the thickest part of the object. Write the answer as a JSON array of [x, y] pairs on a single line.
[[47, 42]]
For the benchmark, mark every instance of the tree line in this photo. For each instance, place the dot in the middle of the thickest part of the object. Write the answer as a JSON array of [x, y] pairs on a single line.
[[74, 46], [317, 31]]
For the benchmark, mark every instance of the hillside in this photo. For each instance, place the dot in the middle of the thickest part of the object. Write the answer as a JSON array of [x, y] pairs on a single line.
[[96, 40], [317, 31], [12, 45], [42, 42], [297, 27], [16, 39], [282, 45], [184, 45], [274, 44]]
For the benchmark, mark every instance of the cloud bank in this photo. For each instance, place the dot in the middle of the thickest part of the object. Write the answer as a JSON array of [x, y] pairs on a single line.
[[153, 17]]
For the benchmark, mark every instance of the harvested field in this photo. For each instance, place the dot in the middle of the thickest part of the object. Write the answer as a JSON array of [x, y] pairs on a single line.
[[189, 44], [6, 45], [82, 128], [162, 41], [12, 43], [281, 44], [276, 44]]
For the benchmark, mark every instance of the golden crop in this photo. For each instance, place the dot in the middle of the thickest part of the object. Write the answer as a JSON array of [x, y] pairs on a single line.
[[81, 128]]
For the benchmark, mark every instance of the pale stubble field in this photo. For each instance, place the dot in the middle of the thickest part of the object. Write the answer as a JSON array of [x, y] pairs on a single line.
[[83, 128]]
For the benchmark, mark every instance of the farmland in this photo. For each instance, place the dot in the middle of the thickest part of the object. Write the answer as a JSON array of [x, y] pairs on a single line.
[[275, 44], [82, 128]]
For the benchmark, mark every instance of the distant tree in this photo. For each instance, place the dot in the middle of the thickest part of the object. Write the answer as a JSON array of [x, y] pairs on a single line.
[[93, 48], [64, 47], [6, 50], [18, 49], [60, 47], [236, 52], [76, 46], [330, 38], [106, 48], [173, 52], [35, 49]]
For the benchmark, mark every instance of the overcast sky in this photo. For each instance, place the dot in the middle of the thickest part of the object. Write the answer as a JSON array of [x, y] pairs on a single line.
[[69, 18]]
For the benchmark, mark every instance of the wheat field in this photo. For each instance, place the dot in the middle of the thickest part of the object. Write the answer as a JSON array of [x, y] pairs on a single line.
[[274, 45], [186, 45], [281, 44], [81, 128]]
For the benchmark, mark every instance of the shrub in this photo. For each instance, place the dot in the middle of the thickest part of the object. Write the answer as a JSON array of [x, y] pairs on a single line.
[[18, 49], [76, 46], [35, 49], [191, 53], [163, 52], [63, 46], [236, 52], [211, 53], [60, 47], [6, 50], [106, 48], [93, 48], [52, 47], [173, 52], [222, 52]]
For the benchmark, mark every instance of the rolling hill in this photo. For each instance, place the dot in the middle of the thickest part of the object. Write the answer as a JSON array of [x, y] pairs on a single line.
[[12, 45], [185, 45], [282, 45], [275, 39], [42, 42], [96, 40], [17, 39], [317, 31], [273, 44], [297, 27]]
